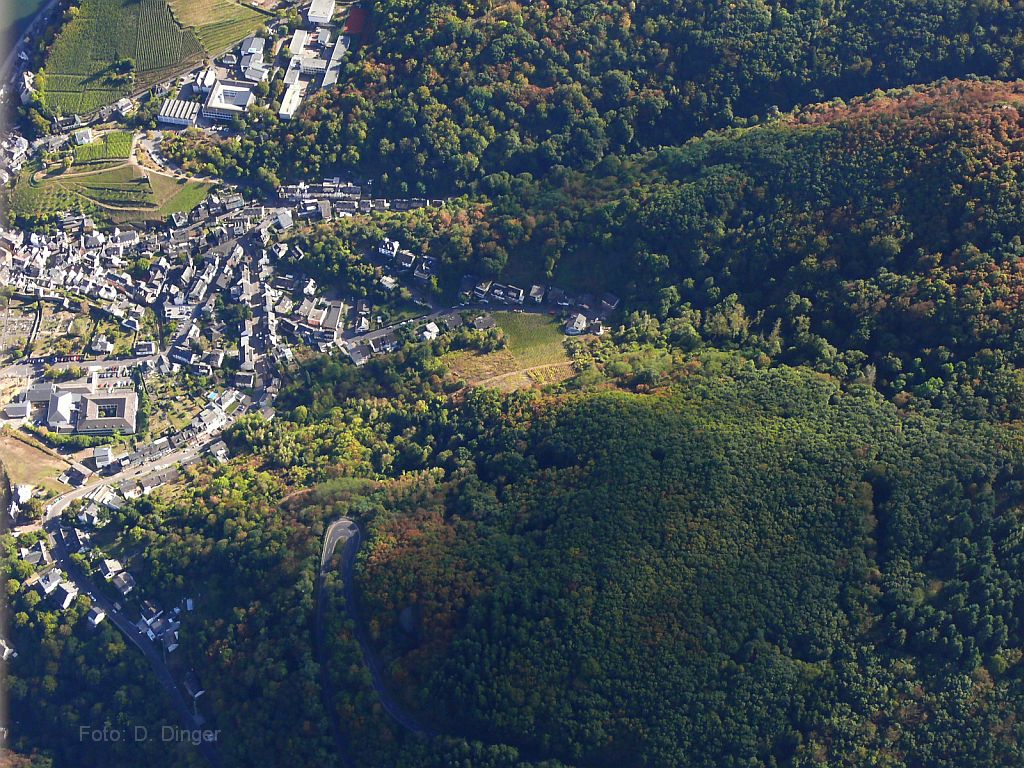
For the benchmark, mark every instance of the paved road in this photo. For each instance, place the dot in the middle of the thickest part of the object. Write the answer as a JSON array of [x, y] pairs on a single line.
[[340, 530], [159, 465], [148, 648], [29, 369], [346, 532]]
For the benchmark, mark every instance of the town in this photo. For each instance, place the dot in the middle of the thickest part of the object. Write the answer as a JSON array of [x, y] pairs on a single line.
[[129, 348]]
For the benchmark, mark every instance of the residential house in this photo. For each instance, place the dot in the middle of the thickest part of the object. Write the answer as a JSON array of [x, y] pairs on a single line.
[[103, 455], [110, 568], [50, 580], [66, 593], [430, 331], [576, 324], [124, 582], [36, 555], [484, 323]]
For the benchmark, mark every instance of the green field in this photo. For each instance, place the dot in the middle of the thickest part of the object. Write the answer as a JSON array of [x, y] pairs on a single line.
[[218, 23], [534, 355], [81, 73], [534, 339], [121, 194], [116, 145]]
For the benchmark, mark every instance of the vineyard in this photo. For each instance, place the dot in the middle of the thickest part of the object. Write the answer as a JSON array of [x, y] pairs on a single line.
[[116, 145], [162, 43], [125, 193], [218, 23], [81, 74]]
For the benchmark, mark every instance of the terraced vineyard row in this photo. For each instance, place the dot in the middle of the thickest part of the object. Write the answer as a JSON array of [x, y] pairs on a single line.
[[121, 193], [81, 69], [116, 145], [161, 42], [218, 23]]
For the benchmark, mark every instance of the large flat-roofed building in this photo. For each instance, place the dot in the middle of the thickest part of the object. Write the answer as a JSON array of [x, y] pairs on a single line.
[[111, 412], [228, 99], [178, 112], [333, 68], [291, 101], [320, 12], [298, 42], [312, 65]]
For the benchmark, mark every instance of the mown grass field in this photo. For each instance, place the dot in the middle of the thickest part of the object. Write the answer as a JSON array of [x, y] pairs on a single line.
[[534, 355], [218, 23], [80, 73], [116, 145], [28, 465], [123, 194]]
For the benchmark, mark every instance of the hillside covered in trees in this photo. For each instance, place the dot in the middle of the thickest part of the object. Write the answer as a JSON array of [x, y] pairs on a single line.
[[446, 92], [744, 567], [750, 571], [877, 240]]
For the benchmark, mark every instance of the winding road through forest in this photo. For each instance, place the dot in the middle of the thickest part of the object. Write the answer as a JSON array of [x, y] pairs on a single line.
[[346, 532]]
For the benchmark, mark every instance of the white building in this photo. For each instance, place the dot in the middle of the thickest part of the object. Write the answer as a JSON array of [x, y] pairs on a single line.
[[228, 99], [60, 412], [66, 594], [103, 455], [205, 81], [178, 113], [291, 101], [320, 12], [298, 42]]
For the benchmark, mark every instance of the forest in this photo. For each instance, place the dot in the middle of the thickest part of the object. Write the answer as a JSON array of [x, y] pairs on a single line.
[[876, 240], [447, 92], [735, 566], [760, 570], [775, 518]]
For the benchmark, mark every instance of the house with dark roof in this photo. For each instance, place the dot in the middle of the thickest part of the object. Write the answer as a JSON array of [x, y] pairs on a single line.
[[66, 593], [484, 323], [124, 582]]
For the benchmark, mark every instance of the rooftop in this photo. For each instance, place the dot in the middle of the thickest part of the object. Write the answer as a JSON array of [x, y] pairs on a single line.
[[113, 412], [178, 109], [321, 9], [230, 96]]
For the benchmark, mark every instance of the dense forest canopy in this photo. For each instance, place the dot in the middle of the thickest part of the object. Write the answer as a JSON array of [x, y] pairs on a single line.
[[749, 567], [447, 91], [744, 572], [775, 517]]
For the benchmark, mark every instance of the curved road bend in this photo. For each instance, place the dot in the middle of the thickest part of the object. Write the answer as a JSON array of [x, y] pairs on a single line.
[[339, 530], [346, 532], [139, 640]]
